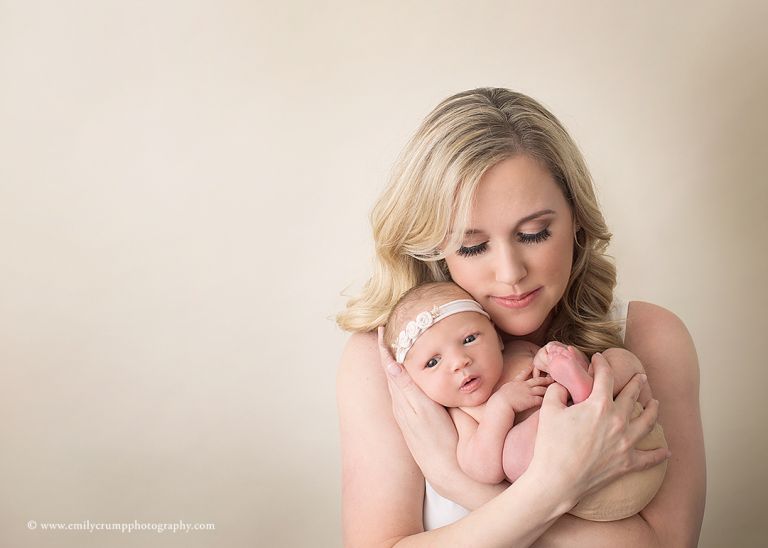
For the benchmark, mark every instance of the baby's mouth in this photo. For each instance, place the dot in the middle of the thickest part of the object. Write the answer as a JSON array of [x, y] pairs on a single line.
[[469, 384]]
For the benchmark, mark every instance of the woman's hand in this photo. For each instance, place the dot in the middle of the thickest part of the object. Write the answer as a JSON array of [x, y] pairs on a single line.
[[592, 443], [427, 428]]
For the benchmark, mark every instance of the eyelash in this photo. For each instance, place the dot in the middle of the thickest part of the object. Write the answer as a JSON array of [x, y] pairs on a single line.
[[522, 237]]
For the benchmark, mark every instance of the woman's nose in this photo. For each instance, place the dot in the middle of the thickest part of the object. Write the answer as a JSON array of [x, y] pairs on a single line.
[[510, 267]]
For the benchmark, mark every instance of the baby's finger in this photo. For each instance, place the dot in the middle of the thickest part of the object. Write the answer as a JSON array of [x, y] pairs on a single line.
[[539, 390], [524, 373], [540, 381]]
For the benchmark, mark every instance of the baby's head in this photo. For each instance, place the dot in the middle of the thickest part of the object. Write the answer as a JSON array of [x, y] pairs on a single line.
[[447, 343]]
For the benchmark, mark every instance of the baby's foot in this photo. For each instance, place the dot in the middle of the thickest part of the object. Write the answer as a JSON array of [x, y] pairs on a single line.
[[567, 366]]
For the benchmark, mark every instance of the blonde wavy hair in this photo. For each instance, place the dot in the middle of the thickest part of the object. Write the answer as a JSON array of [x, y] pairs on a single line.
[[426, 205]]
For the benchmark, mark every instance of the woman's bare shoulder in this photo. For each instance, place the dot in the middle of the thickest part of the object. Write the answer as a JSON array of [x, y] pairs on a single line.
[[361, 343], [361, 383], [642, 316], [360, 356], [654, 331]]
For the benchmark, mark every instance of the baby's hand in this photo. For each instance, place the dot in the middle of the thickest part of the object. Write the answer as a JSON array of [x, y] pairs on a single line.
[[523, 392]]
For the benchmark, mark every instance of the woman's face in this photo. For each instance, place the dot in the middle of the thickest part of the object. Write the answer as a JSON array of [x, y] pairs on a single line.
[[516, 255]]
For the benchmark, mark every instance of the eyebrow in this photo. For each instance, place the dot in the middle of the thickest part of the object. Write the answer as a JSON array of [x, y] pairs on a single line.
[[525, 219]]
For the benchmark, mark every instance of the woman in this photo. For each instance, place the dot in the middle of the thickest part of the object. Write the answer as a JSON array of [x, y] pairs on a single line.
[[492, 193]]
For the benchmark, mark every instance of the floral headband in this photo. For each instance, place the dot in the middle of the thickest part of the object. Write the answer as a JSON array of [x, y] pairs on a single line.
[[426, 319]]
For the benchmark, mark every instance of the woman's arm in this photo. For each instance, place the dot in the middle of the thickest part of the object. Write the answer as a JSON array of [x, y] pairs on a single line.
[[665, 348], [673, 518], [382, 491], [382, 487]]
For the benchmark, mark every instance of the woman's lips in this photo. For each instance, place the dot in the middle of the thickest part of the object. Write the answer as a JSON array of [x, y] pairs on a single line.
[[470, 385], [517, 301]]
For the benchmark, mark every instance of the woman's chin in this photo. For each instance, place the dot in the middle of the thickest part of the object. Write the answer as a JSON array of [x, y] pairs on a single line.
[[522, 329]]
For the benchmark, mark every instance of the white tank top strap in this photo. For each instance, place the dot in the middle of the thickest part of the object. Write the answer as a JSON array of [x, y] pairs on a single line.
[[618, 312]]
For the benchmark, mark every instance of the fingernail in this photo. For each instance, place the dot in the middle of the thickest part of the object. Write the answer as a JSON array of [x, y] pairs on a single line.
[[394, 369], [643, 378], [669, 454]]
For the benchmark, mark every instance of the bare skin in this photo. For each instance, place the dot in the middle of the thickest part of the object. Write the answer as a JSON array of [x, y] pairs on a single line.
[[533, 509], [499, 445], [516, 261]]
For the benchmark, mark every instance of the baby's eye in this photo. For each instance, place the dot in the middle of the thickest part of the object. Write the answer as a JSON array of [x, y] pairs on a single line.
[[432, 363], [471, 338]]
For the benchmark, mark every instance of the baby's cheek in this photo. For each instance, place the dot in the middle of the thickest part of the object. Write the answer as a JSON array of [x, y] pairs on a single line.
[[441, 394]]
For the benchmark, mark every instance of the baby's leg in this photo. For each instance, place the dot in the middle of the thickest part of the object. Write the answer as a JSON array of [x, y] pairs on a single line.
[[625, 365], [567, 366], [518, 447]]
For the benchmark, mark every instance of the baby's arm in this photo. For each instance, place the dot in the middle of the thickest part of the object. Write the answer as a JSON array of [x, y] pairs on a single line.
[[481, 444], [478, 454]]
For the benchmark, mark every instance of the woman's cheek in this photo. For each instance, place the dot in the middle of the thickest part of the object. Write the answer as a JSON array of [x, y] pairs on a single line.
[[466, 274]]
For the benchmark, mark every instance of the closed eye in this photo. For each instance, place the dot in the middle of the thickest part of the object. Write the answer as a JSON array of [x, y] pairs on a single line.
[[522, 237], [470, 251], [525, 238]]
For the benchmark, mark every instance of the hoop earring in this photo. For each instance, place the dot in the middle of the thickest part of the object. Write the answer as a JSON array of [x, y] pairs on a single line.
[[577, 231]]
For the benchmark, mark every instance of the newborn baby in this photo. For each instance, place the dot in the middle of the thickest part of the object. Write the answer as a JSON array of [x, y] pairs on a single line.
[[452, 351]]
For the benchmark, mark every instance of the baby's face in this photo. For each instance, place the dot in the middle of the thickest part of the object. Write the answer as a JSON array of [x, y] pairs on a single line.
[[457, 361]]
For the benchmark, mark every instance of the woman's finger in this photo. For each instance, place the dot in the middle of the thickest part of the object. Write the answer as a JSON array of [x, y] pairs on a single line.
[[555, 397], [643, 460], [625, 400], [396, 378], [603, 385], [395, 372], [404, 391], [384, 353], [641, 425]]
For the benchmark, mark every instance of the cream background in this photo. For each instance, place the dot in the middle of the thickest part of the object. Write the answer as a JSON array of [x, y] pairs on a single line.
[[184, 190]]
